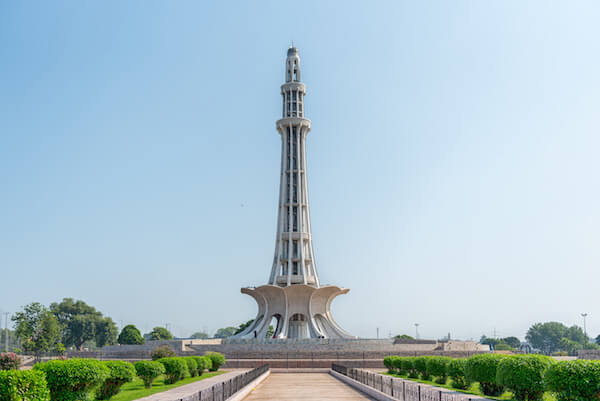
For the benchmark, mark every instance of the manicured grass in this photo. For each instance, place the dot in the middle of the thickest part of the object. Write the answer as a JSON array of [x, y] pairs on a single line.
[[474, 389], [135, 389]]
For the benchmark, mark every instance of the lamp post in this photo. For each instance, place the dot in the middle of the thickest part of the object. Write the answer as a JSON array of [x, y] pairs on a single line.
[[417, 331], [584, 315]]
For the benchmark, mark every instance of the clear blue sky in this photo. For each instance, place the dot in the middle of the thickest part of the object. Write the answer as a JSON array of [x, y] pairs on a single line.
[[453, 162]]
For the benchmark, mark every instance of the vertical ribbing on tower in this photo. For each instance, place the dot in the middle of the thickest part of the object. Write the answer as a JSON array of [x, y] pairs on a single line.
[[293, 243]]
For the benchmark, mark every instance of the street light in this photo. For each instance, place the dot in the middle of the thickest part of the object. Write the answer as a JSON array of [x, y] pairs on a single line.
[[417, 331], [584, 315]]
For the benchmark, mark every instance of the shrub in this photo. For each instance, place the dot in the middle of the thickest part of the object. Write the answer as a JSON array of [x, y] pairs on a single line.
[[408, 365], [130, 335], [388, 362], [73, 379], [202, 362], [192, 365], [9, 361], [120, 372], [523, 375], [456, 371], [162, 351], [60, 349], [577, 380], [217, 360], [482, 368], [437, 367], [207, 363], [148, 371], [421, 367], [23, 385], [397, 362], [175, 369]]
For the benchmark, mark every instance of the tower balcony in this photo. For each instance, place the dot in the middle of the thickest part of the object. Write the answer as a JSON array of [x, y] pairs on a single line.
[[295, 279], [293, 121]]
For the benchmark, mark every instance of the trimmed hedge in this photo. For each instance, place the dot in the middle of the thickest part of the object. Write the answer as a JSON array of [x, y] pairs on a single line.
[[577, 380], [482, 368], [73, 379], [421, 367], [175, 369], [397, 362], [9, 361], [203, 362], [148, 371], [120, 372], [524, 375], [388, 362], [437, 367], [192, 365], [162, 351], [217, 359], [408, 366], [456, 371], [23, 385]]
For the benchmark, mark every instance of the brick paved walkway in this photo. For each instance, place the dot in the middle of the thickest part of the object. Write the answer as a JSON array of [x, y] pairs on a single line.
[[304, 386]]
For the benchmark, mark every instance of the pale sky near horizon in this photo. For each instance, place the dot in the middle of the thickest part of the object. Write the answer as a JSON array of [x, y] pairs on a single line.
[[453, 159]]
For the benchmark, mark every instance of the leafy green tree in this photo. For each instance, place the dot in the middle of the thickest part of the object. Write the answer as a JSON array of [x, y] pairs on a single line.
[[160, 333], [225, 332], [598, 340], [81, 322], [243, 326], [106, 332], [403, 337], [270, 331], [546, 336], [512, 341], [36, 328], [576, 334], [570, 346], [130, 335], [200, 335]]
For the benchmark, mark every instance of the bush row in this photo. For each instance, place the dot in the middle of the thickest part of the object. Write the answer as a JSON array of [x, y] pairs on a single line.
[[526, 376], [79, 379]]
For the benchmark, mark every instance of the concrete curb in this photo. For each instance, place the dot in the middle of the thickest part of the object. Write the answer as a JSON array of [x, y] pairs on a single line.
[[370, 391], [240, 395]]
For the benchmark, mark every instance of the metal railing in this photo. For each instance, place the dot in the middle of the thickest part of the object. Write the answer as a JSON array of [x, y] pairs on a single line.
[[227, 388], [403, 390]]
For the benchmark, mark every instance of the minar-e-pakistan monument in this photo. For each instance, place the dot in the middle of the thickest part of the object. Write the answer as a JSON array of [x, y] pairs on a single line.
[[294, 296]]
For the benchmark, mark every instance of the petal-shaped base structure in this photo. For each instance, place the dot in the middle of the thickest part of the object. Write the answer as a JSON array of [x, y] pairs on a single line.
[[298, 311]]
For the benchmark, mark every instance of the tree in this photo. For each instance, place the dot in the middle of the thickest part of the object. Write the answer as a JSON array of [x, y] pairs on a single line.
[[576, 334], [225, 332], [36, 328], [403, 337], [243, 326], [81, 322], [130, 335], [106, 332], [512, 341], [160, 333], [270, 331], [546, 336], [598, 339], [200, 335], [570, 346]]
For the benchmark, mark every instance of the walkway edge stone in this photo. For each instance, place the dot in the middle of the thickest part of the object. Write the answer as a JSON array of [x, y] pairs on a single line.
[[243, 393], [370, 391]]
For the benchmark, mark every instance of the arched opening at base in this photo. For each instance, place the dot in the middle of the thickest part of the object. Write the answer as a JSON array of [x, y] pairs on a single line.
[[298, 326], [274, 326]]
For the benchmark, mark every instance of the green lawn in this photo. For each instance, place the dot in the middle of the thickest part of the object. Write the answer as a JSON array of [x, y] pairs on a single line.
[[474, 389], [135, 389]]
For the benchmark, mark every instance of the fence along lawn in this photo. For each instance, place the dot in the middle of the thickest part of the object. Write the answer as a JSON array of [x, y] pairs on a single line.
[[135, 389]]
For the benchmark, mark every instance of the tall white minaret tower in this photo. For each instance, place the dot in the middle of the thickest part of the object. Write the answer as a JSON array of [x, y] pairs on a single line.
[[294, 261], [293, 301]]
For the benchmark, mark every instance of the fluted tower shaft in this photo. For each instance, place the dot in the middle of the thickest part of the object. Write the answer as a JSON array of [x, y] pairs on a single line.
[[294, 260]]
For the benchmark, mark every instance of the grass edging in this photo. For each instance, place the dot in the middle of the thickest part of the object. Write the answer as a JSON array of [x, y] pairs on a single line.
[[474, 389], [135, 390]]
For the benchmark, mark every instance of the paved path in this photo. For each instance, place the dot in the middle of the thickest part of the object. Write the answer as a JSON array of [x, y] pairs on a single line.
[[178, 393], [304, 386]]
